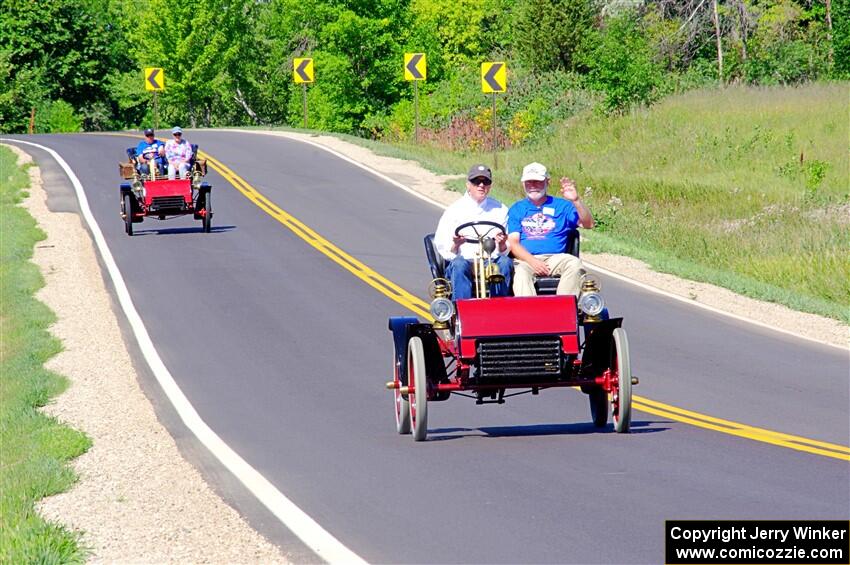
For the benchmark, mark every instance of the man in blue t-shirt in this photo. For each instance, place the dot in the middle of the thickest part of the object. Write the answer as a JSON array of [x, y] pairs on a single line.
[[151, 149], [538, 227]]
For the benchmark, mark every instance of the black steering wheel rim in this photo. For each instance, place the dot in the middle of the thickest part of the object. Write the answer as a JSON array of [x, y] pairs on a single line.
[[473, 225]]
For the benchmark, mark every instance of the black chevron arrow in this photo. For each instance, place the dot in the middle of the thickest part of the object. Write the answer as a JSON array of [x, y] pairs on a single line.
[[490, 77], [302, 70], [411, 66], [152, 78]]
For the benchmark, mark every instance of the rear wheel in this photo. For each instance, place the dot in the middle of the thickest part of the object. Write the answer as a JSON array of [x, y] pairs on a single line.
[[621, 405], [207, 212], [402, 404], [128, 213], [599, 407], [417, 400]]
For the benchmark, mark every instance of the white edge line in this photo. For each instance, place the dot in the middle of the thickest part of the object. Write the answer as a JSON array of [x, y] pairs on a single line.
[[319, 540], [593, 267]]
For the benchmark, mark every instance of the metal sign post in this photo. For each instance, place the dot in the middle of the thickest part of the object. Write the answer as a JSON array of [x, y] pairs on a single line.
[[495, 153], [415, 69], [494, 79], [304, 100], [416, 112], [302, 71], [155, 81]]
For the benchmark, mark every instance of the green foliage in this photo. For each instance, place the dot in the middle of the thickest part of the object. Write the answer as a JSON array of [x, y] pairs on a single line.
[[785, 47], [34, 447], [457, 114], [57, 117], [53, 50], [621, 65], [841, 38], [549, 33]]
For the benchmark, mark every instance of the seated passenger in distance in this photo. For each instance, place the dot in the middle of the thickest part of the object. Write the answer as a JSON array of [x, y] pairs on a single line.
[[150, 149], [178, 152]]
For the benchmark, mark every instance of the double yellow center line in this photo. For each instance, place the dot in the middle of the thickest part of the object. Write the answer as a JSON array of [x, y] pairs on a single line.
[[420, 307]]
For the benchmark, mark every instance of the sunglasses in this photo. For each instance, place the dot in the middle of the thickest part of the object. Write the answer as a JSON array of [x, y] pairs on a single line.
[[481, 180]]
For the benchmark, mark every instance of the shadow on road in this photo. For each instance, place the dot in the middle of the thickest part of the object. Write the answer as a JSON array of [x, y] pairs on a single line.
[[637, 427], [178, 231]]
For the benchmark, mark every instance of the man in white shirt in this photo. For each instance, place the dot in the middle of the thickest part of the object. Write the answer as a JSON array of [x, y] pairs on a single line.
[[474, 206]]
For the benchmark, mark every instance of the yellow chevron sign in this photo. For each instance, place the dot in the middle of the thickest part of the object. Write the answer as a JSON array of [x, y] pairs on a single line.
[[154, 78], [302, 70], [494, 77], [415, 66]]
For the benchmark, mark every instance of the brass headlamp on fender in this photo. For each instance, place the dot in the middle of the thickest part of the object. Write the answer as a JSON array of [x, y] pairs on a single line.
[[590, 301], [442, 308]]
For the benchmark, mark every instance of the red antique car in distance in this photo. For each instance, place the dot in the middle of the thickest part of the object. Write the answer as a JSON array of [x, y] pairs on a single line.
[[485, 347], [155, 196]]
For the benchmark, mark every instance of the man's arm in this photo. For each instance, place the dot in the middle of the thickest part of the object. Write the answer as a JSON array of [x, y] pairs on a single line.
[[570, 192], [444, 237], [521, 253]]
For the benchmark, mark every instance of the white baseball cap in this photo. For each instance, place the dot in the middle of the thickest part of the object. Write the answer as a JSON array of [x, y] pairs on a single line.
[[534, 171]]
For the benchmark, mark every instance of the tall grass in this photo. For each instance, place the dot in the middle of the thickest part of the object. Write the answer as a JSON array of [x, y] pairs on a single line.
[[743, 187], [33, 447]]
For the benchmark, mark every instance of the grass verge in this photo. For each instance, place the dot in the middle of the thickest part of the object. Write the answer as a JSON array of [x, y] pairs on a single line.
[[34, 448], [743, 187]]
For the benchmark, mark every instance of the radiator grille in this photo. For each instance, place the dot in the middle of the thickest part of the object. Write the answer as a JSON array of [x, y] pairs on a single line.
[[519, 358], [168, 203]]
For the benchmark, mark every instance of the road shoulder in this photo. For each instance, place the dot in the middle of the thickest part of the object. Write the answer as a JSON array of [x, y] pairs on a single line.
[[137, 499]]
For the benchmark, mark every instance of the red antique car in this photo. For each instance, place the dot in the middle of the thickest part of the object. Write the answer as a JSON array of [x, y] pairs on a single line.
[[155, 196], [490, 349]]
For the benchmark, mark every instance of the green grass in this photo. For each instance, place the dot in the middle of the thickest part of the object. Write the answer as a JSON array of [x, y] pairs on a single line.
[[34, 448], [743, 187]]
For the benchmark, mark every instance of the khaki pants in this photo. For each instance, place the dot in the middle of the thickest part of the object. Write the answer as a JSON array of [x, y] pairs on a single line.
[[569, 267]]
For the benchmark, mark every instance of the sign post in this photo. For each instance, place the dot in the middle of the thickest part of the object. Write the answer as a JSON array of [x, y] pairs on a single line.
[[415, 69], [302, 70], [494, 79], [155, 81]]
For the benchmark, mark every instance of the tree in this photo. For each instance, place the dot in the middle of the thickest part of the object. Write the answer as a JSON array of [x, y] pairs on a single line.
[[548, 33], [621, 64], [50, 51]]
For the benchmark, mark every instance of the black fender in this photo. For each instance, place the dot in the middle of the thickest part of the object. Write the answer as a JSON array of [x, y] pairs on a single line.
[[398, 326], [598, 347], [127, 188], [403, 328]]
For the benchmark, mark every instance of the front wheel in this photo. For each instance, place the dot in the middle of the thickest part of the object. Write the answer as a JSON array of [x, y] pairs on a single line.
[[418, 400], [128, 213], [621, 405]]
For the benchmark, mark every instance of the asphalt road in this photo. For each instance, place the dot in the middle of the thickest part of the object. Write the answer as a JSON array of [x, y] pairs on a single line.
[[284, 354]]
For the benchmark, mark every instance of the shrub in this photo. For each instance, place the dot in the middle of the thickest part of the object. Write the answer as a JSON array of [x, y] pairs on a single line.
[[57, 116], [621, 65]]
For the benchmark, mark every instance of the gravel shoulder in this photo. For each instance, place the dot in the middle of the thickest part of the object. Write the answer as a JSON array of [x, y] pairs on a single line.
[[138, 500]]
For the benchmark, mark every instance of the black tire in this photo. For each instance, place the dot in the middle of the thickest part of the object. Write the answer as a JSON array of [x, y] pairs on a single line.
[[621, 410], [207, 211], [418, 400], [599, 407], [128, 213]]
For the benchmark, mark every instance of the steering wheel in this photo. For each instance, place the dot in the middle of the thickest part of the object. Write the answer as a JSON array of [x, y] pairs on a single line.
[[483, 223]]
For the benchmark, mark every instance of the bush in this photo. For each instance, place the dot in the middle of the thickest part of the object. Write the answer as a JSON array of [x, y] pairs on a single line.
[[458, 115], [57, 116], [621, 65]]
